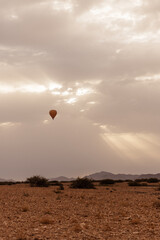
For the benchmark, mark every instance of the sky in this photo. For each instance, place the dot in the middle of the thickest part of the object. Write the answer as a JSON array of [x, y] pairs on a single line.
[[97, 63]]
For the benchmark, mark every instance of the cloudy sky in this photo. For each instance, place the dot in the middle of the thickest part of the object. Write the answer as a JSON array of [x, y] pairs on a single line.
[[97, 63]]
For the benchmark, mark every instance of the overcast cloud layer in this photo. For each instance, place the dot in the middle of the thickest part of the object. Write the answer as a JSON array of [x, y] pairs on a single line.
[[97, 63]]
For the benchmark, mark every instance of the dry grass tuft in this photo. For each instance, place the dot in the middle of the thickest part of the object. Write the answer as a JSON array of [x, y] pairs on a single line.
[[58, 198], [21, 236], [107, 228], [125, 204], [26, 194], [57, 191], [99, 215], [156, 204], [25, 208], [47, 212], [135, 221], [46, 220], [77, 228]]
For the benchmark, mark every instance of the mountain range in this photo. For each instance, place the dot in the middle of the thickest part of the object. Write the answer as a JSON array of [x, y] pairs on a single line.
[[107, 175], [101, 175], [6, 180]]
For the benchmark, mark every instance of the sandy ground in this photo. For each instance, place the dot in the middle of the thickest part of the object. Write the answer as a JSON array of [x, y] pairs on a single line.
[[114, 212]]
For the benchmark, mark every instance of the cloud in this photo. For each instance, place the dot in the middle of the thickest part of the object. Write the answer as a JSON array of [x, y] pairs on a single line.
[[131, 107], [59, 47], [105, 57]]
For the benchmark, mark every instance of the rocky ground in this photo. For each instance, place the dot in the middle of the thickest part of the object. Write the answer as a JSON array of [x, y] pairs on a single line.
[[105, 213]]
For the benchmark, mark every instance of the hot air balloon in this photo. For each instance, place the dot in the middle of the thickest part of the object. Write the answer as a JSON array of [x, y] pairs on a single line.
[[52, 113]]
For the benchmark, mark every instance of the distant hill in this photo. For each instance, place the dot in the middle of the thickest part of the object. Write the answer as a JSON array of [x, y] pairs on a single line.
[[108, 175], [6, 180], [61, 179]]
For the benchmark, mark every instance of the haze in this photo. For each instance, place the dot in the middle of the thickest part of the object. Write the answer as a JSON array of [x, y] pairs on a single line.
[[97, 63]]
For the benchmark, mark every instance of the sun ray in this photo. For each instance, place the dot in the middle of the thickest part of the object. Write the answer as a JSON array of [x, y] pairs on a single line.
[[133, 146]]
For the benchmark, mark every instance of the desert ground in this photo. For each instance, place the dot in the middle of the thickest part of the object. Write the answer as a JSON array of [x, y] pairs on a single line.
[[105, 213]]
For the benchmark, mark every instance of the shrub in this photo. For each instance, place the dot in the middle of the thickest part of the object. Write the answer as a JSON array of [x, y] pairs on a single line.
[[26, 194], [82, 183], [7, 183], [61, 187], [134, 184], [135, 221], [57, 191], [153, 180], [21, 237], [38, 181], [46, 220], [144, 184], [25, 208], [156, 204], [141, 180], [107, 181], [119, 181], [54, 183]]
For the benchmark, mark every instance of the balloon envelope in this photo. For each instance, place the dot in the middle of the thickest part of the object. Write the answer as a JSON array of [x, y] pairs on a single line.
[[52, 113]]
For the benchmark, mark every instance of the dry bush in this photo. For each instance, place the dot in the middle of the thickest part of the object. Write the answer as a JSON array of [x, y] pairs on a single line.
[[125, 204], [38, 181], [83, 183], [99, 215], [84, 226], [47, 212], [158, 188], [46, 220], [77, 228], [61, 187], [20, 236], [106, 182], [58, 198], [25, 208], [135, 221], [153, 180], [26, 194], [134, 184], [57, 191], [156, 204], [107, 228], [82, 196]]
